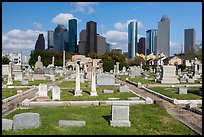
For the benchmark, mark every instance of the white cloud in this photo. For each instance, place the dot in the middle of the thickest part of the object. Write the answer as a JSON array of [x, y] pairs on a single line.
[[63, 18], [19, 39], [117, 37], [124, 26], [84, 7], [175, 48], [37, 25]]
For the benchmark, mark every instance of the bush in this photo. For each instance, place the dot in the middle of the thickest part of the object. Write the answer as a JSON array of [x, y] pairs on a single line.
[[122, 64], [182, 67], [108, 65]]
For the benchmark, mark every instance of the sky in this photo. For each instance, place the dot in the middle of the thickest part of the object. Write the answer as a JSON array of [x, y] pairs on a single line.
[[22, 22]]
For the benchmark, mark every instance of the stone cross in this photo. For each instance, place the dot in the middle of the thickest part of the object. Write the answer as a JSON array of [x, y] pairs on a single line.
[[78, 92], [10, 81], [141, 65], [64, 59], [53, 60], [93, 82], [117, 68]]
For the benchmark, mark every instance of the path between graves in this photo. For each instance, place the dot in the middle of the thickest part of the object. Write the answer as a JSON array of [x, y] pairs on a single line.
[[190, 119]]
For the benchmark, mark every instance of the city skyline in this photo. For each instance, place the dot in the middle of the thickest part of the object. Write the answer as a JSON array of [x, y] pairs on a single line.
[[20, 33]]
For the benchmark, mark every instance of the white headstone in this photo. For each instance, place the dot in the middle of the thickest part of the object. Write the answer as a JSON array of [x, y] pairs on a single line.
[[53, 61], [42, 91], [55, 93]]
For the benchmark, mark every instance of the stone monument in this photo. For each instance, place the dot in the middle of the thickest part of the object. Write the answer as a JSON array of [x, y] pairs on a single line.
[[10, 81], [169, 74], [93, 82], [77, 91]]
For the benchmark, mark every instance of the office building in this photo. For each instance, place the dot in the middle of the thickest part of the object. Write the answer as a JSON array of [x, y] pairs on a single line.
[[72, 25], [91, 43], [59, 38], [132, 39], [189, 40], [141, 46], [151, 41], [40, 43], [101, 45], [163, 36], [50, 39], [82, 42]]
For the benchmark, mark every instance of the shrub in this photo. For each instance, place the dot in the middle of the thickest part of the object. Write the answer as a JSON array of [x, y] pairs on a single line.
[[108, 65]]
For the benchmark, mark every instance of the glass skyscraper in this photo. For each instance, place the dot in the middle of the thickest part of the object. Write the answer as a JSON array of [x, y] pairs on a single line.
[[50, 37], [163, 36], [189, 40], [59, 40], [72, 25], [132, 39], [151, 41]]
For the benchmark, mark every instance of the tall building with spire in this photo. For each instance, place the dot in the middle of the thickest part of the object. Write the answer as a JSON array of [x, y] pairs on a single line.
[[72, 25]]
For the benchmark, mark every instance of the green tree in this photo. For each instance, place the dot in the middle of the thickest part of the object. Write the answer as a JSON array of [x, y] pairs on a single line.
[[108, 65], [138, 61], [5, 60]]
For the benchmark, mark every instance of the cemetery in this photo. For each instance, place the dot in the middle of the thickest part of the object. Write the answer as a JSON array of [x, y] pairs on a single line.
[[86, 100]]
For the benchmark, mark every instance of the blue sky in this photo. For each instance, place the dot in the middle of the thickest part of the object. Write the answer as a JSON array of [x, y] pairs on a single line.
[[23, 21]]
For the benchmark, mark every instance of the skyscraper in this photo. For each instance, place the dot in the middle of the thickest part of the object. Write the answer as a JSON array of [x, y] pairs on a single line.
[[163, 36], [82, 41], [50, 39], [72, 25], [91, 43], [59, 33], [40, 43], [101, 45], [151, 41], [189, 40], [132, 39], [141, 46]]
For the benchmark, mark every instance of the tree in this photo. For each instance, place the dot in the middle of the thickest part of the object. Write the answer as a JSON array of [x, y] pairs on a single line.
[[108, 65], [5, 60], [138, 61]]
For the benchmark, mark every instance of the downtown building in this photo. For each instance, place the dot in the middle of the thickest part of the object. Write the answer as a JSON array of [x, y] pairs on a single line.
[[132, 39], [50, 39], [163, 37], [141, 46], [40, 43], [189, 40], [91, 39], [60, 38], [72, 44], [151, 41]]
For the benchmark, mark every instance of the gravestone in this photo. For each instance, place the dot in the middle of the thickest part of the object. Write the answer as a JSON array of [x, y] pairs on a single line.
[[139, 85], [182, 90], [42, 91], [81, 78], [10, 80], [18, 76], [78, 91], [107, 91], [117, 68], [55, 93], [124, 88], [190, 80], [6, 124], [71, 123], [93, 82], [120, 115], [26, 121], [105, 79], [134, 71], [169, 74]]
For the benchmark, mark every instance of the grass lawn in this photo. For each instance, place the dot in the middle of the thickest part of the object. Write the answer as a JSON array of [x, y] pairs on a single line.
[[30, 83], [167, 92], [145, 120], [138, 79], [72, 84], [7, 92], [68, 94]]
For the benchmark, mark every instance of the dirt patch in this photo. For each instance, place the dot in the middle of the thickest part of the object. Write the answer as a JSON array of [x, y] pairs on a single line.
[[166, 120]]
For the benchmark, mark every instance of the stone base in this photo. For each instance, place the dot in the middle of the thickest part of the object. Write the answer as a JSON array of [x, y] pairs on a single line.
[[120, 123], [42, 98], [78, 93], [170, 81], [93, 93]]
